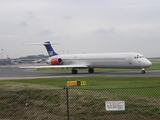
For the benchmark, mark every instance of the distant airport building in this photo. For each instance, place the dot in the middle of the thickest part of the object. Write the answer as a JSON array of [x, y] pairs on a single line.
[[5, 61], [22, 60], [32, 59]]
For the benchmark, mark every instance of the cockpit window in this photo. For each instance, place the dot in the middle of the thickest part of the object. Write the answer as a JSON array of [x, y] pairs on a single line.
[[138, 56]]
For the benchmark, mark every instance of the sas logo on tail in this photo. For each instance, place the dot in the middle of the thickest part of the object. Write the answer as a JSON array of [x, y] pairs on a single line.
[[51, 53]]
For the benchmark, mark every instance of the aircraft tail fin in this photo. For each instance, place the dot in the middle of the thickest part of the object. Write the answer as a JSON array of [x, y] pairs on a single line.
[[50, 49]]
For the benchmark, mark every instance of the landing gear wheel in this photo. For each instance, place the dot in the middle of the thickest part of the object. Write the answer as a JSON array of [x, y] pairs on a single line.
[[90, 70], [74, 71], [143, 72]]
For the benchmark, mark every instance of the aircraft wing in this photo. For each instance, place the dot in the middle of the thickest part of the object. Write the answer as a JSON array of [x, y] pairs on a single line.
[[56, 66]]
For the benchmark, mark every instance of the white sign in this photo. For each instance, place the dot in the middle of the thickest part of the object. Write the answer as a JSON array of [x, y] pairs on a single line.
[[115, 105]]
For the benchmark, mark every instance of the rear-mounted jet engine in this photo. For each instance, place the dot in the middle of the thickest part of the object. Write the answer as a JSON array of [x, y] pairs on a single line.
[[56, 61]]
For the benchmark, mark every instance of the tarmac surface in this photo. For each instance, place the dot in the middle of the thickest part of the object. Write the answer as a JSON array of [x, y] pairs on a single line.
[[17, 73]]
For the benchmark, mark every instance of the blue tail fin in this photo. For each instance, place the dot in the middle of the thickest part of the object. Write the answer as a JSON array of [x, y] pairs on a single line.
[[50, 49]]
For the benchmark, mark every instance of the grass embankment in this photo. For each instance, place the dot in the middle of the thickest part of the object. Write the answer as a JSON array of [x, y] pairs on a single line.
[[92, 82], [155, 66], [99, 83], [45, 98]]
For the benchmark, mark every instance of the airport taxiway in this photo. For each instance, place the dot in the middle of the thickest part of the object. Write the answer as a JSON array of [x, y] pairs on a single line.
[[17, 73]]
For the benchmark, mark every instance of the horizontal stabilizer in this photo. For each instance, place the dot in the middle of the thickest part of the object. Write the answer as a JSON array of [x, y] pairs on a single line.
[[41, 43], [48, 46]]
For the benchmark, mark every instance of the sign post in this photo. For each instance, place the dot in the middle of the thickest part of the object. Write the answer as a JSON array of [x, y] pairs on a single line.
[[72, 83], [66, 87]]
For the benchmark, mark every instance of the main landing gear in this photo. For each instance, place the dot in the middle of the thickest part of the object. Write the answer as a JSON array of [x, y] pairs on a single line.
[[74, 71], [90, 70], [143, 71]]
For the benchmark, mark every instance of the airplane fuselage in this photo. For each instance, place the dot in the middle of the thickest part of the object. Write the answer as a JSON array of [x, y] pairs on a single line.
[[104, 60]]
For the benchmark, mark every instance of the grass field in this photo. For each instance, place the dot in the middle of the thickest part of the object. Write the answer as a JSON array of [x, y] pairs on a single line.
[[103, 81], [92, 82], [100, 83]]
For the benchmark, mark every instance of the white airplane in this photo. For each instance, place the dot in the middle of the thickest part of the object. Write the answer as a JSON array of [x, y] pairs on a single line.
[[95, 60]]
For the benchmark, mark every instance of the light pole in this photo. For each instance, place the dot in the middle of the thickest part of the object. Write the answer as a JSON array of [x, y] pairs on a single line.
[[2, 53]]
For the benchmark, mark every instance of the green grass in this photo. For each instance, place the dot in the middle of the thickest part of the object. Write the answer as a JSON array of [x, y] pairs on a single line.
[[155, 66], [101, 82], [4, 66]]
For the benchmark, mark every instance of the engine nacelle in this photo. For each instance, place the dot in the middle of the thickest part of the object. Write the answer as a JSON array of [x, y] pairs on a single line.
[[56, 61]]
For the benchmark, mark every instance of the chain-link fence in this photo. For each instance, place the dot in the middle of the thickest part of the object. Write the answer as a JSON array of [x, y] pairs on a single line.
[[84, 104]]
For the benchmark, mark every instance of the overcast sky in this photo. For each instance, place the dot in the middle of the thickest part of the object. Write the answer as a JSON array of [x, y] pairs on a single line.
[[89, 26]]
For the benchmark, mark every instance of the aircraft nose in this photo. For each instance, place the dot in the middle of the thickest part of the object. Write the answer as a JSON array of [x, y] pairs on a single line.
[[148, 63]]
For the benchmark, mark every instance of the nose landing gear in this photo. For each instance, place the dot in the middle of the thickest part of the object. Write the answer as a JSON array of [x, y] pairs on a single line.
[[143, 71]]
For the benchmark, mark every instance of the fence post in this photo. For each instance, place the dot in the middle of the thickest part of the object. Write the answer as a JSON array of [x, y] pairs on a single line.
[[66, 87]]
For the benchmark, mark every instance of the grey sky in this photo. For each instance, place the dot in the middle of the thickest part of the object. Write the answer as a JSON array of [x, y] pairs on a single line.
[[80, 26]]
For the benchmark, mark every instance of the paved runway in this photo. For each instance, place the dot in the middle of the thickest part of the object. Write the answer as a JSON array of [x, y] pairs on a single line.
[[17, 73]]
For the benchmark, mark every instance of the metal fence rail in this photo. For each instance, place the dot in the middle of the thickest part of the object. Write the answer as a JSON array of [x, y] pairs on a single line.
[[84, 104]]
